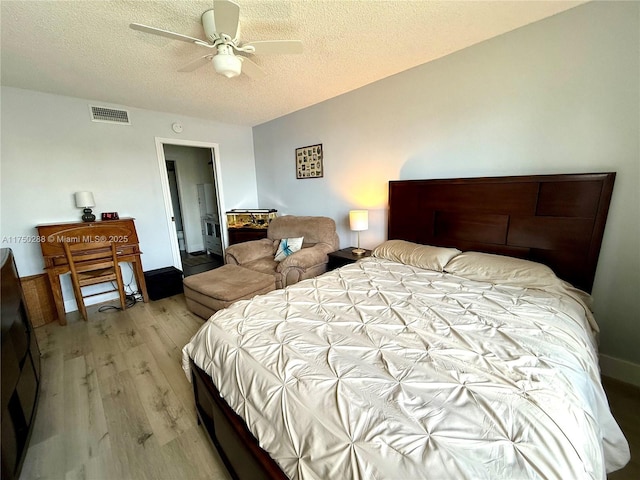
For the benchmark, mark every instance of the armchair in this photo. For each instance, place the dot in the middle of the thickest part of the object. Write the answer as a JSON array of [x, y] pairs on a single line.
[[320, 239]]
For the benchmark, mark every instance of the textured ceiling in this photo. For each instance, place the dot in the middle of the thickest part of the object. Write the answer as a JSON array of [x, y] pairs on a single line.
[[86, 49]]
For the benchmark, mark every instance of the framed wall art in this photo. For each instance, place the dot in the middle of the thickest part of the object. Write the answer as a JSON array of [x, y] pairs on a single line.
[[309, 162]]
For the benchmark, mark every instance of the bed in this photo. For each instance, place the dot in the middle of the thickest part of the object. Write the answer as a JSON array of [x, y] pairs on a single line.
[[454, 352]]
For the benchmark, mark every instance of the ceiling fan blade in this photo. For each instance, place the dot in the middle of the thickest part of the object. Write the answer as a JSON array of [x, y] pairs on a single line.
[[168, 34], [200, 62], [251, 69], [226, 16], [275, 47]]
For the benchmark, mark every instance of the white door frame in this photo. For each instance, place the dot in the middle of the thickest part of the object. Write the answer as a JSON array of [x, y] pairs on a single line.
[[166, 193]]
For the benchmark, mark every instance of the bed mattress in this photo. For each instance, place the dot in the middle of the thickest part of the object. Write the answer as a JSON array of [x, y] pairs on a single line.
[[385, 370]]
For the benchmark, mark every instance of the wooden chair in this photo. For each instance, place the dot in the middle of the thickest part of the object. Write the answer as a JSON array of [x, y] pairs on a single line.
[[92, 263]]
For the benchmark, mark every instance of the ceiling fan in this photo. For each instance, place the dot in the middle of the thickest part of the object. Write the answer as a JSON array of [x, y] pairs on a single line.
[[222, 29]]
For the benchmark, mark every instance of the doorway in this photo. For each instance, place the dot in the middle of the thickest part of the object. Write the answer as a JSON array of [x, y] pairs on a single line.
[[190, 177]]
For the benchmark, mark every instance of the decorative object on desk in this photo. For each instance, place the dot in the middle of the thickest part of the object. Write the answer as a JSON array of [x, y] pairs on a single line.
[[110, 216], [85, 200], [358, 222], [309, 162]]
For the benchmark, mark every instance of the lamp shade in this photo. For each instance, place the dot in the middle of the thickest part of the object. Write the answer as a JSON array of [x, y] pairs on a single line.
[[84, 200], [359, 220]]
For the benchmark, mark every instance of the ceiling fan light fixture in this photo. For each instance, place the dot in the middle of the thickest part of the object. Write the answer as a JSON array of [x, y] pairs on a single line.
[[228, 65], [221, 27]]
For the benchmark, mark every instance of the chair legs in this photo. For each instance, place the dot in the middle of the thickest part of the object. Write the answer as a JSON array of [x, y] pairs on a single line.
[[123, 297], [80, 300]]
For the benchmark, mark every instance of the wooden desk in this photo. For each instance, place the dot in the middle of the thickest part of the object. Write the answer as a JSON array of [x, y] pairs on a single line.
[[122, 232]]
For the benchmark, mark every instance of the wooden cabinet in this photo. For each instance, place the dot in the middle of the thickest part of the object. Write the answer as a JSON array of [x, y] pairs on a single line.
[[20, 370], [239, 235]]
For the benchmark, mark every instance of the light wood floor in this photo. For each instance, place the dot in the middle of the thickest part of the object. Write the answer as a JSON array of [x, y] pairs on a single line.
[[115, 403], [624, 401]]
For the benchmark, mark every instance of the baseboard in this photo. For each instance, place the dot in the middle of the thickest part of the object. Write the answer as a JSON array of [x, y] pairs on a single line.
[[622, 370]]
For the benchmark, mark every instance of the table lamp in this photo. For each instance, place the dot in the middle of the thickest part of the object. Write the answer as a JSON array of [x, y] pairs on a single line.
[[85, 200], [358, 222]]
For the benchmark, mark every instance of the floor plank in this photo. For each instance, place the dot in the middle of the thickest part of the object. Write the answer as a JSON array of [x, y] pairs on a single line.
[[169, 359], [166, 415], [85, 426], [167, 317], [106, 347], [50, 413], [194, 453], [45, 460], [137, 450]]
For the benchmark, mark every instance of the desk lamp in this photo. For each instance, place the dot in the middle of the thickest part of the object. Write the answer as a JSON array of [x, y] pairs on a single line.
[[358, 222], [85, 200]]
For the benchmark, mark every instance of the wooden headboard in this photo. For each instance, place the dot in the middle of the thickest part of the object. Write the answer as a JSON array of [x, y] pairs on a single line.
[[557, 220]]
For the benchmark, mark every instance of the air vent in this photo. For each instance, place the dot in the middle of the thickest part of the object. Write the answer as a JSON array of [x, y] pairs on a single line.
[[109, 115]]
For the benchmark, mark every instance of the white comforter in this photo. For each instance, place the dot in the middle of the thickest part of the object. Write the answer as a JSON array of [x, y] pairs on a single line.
[[383, 370]]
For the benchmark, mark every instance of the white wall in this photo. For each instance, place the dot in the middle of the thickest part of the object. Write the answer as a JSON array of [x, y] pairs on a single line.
[[51, 149], [557, 96]]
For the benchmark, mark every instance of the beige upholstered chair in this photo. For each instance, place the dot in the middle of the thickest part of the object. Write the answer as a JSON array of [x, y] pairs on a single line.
[[320, 239]]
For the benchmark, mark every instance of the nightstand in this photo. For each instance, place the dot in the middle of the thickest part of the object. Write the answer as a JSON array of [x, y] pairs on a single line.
[[343, 257]]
